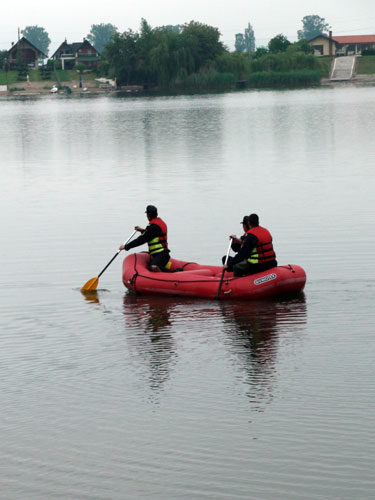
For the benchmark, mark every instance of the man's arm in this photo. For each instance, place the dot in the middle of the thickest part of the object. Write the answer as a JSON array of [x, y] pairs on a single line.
[[151, 232], [236, 242], [244, 252]]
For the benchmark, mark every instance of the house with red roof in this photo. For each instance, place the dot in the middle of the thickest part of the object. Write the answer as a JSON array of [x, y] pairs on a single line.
[[347, 45]]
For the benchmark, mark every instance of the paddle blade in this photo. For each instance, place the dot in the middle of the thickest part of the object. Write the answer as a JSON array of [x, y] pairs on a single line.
[[90, 285]]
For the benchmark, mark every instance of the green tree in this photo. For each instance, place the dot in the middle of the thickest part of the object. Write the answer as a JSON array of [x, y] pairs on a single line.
[[121, 52], [285, 62], [236, 63], [100, 34], [38, 37], [145, 44], [203, 43], [312, 26], [160, 56], [260, 52], [167, 56], [161, 70], [300, 46], [278, 44]]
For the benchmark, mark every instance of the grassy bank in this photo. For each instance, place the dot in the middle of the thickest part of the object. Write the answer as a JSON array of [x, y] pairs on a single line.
[[70, 75], [366, 65], [10, 77]]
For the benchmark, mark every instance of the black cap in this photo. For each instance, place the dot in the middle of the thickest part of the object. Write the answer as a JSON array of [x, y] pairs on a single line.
[[254, 220], [245, 220], [151, 210]]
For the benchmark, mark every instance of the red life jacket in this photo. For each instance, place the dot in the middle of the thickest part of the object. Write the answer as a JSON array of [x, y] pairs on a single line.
[[160, 243], [263, 252]]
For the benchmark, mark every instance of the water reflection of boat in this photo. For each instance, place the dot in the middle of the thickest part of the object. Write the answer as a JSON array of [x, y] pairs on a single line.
[[254, 333], [205, 281], [251, 331], [148, 328]]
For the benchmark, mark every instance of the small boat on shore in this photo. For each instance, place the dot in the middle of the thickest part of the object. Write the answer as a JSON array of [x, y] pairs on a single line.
[[202, 281]]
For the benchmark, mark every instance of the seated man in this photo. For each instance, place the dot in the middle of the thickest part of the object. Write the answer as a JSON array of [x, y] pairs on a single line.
[[155, 235], [256, 253]]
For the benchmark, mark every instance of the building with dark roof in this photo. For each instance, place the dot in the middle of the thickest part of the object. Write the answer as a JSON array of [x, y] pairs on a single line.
[[28, 51], [71, 54]]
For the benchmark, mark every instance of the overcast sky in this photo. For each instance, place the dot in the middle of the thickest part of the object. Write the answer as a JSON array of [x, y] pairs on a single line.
[[73, 18]]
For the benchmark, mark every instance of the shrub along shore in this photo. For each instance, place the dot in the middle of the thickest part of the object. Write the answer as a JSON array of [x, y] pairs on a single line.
[[271, 72], [283, 70]]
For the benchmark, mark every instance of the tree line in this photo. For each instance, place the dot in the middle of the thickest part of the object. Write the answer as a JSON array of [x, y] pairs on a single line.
[[192, 55]]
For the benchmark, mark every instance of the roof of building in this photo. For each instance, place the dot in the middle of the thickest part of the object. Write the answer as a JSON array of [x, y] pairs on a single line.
[[24, 39], [75, 46], [347, 39], [322, 35], [355, 39]]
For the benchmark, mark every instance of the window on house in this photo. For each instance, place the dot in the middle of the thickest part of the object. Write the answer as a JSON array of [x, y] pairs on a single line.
[[318, 49]]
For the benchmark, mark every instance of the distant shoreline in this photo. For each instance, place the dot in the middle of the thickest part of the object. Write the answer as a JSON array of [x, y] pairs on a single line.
[[34, 89]]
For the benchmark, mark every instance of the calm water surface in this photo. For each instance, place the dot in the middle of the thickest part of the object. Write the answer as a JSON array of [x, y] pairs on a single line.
[[114, 396]]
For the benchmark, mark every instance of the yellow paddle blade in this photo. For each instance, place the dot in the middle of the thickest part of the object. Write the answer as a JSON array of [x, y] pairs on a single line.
[[90, 285]]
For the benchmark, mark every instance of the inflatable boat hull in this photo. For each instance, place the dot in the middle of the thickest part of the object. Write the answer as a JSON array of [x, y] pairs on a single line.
[[203, 281]]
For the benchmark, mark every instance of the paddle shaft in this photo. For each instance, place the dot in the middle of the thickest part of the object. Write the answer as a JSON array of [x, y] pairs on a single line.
[[222, 274], [116, 254]]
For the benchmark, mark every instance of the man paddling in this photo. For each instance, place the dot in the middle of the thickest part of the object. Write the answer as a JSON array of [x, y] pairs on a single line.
[[155, 235], [256, 253]]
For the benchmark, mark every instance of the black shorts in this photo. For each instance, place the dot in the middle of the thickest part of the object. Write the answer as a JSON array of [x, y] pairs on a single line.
[[160, 259]]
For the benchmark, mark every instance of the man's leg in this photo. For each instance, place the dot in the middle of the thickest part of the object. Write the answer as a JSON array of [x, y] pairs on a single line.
[[244, 268], [229, 262], [159, 261], [241, 268]]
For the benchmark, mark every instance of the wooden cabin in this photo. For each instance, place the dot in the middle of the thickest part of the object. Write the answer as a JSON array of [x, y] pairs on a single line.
[[30, 54]]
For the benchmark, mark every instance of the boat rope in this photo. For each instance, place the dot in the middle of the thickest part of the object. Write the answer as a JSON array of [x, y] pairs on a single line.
[[289, 267], [134, 277]]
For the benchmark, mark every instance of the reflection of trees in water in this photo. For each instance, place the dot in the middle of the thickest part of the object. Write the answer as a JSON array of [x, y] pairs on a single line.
[[149, 335], [253, 333]]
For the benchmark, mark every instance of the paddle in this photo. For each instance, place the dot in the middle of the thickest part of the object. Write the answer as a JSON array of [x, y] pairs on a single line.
[[93, 283], [222, 274]]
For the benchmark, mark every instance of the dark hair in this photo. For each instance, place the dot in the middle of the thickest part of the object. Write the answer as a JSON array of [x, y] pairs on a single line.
[[151, 210], [254, 220]]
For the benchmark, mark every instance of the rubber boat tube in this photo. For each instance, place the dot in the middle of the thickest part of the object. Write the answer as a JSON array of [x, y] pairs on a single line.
[[203, 281]]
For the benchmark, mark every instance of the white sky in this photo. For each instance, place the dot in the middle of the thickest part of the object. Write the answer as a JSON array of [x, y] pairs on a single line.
[[73, 18]]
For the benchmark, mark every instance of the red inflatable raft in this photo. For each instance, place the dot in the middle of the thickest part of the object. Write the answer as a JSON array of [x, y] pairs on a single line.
[[203, 281]]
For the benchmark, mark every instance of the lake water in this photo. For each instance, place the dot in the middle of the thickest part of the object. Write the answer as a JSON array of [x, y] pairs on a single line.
[[114, 396]]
